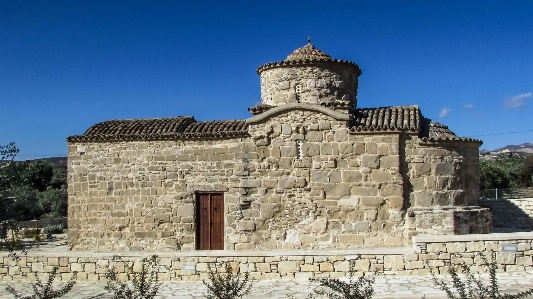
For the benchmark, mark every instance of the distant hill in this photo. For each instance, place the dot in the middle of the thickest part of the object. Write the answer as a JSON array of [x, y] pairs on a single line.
[[54, 161], [524, 148]]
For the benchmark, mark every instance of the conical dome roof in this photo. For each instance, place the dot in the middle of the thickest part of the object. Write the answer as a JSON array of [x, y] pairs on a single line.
[[306, 55], [308, 52]]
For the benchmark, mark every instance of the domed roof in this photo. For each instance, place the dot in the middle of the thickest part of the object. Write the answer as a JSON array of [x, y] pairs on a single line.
[[307, 55], [308, 52]]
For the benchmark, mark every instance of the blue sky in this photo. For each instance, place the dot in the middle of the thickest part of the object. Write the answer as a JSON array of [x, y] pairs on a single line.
[[66, 65]]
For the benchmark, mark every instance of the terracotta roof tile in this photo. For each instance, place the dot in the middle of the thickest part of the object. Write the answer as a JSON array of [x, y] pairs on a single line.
[[307, 54], [403, 118], [433, 131], [395, 118], [182, 127]]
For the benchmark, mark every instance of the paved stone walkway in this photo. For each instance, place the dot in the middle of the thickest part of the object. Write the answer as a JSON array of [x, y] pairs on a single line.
[[388, 286]]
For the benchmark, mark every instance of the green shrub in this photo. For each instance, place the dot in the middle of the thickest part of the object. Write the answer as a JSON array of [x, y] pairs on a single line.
[[144, 284], [471, 286], [53, 229], [227, 285], [333, 288]]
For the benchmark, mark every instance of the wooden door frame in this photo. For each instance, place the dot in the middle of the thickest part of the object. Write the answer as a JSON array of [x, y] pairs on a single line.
[[197, 229]]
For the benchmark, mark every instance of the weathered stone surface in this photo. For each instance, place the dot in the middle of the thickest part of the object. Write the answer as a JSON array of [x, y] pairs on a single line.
[[293, 176]]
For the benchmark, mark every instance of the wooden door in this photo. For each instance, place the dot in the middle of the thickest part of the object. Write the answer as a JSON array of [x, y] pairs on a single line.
[[209, 221]]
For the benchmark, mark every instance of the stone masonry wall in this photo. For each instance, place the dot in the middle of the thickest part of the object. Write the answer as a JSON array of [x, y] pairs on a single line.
[[511, 213], [436, 253], [309, 84], [326, 188], [140, 194], [300, 181], [442, 187]]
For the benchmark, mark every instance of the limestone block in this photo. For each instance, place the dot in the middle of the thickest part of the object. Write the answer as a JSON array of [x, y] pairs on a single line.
[[341, 135], [319, 225], [336, 189], [334, 176], [423, 198], [372, 201], [350, 239], [288, 267], [318, 176], [286, 129], [370, 161], [287, 151], [185, 210], [351, 176], [326, 267], [246, 225], [269, 183], [237, 238], [309, 268], [345, 148], [286, 182], [455, 247], [443, 169], [324, 125], [314, 136], [505, 258], [364, 191], [349, 201], [393, 262], [381, 176], [524, 261], [436, 247], [418, 184], [310, 149], [292, 237], [268, 210], [475, 246], [249, 183], [395, 202], [361, 226], [390, 161], [391, 190], [363, 265]]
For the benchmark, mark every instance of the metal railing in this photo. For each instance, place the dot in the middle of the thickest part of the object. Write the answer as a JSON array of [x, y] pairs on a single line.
[[505, 193]]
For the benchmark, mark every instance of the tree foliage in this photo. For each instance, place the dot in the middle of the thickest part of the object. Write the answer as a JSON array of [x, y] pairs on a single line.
[[30, 189], [506, 172]]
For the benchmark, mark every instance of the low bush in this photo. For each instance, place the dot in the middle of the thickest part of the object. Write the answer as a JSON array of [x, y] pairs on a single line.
[[470, 286], [227, 285], [44, 290], [53, 229], [144, 284], [354, 288]]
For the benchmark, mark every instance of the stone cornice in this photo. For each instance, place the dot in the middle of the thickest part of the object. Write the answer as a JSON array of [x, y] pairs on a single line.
[[298, 106]]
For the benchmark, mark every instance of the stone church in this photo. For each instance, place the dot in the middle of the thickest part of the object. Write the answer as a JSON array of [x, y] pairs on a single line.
[[308, 169]]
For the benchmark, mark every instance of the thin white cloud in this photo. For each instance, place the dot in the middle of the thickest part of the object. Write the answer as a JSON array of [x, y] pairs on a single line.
[[516, 101], [468, 106], [444, 112]]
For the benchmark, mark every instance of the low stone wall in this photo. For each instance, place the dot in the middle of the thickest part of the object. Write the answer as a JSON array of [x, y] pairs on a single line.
[[511, 213], [41, 223], [434, 252]]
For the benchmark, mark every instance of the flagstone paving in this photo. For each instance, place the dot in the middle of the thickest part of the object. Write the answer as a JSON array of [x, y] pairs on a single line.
[[387, 286]]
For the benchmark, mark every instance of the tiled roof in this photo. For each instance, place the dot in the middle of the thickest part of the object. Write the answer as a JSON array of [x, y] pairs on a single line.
[[307, 54], [405, 119], [433, 131], [182, 127], [395, 118]]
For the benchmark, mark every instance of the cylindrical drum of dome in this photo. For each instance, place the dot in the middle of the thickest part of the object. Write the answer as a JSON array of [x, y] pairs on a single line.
[[311, 76]]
